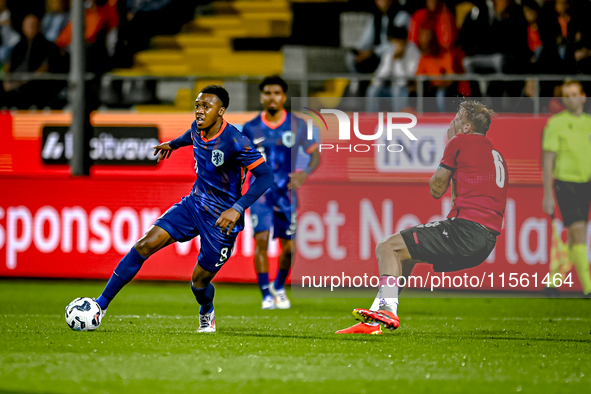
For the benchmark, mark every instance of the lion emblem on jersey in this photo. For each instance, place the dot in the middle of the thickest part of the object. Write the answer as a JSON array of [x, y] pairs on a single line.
[[288, 138], [217, 157]]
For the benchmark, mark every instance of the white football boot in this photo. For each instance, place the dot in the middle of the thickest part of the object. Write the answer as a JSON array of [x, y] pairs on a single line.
[[281, 300], [268, 303], [103, 311], [207, 322]]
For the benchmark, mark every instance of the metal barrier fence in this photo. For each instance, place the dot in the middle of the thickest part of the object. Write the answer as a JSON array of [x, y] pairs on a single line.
[[304, 80]]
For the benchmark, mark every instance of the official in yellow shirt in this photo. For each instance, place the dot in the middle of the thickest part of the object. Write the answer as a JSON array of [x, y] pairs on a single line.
[[566, 147]]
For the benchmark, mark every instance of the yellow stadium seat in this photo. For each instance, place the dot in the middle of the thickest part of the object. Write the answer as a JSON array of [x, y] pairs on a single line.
[[205, 46], [333, 92]]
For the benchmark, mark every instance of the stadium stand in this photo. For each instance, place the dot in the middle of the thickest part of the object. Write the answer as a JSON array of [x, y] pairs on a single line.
[[154, 54], [204, 47]]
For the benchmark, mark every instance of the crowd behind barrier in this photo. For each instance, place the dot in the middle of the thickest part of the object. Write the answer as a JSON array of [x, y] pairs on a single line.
[[402, 43]]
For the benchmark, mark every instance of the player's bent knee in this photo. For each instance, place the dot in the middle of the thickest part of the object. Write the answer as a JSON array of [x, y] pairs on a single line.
[[201, 283], [394, 243], [578, 232], [147, 246], [381, 247], [262, 240], [155, 239], [201, 278], [386, 245], [287, 249]]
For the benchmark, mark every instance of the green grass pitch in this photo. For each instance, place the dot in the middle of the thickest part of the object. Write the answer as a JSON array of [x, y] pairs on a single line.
[[148, 344]]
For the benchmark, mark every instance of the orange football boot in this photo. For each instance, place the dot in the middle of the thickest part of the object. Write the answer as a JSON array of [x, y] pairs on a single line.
[[362, 328]]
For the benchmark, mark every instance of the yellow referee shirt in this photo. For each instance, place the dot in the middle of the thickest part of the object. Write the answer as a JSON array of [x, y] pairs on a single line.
[[569, 137]]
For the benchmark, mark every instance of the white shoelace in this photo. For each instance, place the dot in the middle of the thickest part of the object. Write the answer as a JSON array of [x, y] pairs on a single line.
[[204, 320], [282, 297]]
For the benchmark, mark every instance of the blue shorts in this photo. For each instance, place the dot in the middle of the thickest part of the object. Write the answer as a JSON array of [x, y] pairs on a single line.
[[186, 220], [264, 217]]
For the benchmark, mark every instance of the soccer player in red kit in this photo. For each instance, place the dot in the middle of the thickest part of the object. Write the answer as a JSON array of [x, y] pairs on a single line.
[[478, 176]]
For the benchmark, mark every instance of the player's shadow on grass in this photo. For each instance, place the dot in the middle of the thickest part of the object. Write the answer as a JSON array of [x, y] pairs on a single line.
[[327, 335]]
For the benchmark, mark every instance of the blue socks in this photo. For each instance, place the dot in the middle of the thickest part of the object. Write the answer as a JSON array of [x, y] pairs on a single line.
[[125, 271], [264, 284], [204, 297], [280, 280]]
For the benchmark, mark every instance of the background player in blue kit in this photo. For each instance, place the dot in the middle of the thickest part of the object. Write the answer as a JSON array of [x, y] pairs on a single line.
[[278, 135], [215, 207]]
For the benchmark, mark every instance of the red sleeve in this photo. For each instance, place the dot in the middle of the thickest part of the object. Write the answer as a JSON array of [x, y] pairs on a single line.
[[446, 29], [451, 153], [413, 30]]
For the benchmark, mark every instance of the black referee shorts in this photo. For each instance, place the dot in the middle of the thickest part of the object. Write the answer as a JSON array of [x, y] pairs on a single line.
[[573, 200], [449, 245]]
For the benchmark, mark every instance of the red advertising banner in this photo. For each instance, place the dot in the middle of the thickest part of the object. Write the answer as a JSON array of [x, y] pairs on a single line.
[[82, 228], [340, 225], [53, 225]]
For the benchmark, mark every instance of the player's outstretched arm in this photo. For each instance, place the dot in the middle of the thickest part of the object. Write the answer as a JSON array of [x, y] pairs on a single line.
[[263, 181], [440, 182], [297, 179], [165, 149]]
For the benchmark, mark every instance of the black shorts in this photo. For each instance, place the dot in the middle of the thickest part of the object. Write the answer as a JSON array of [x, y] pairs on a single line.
[[449, 245], [573, 200]]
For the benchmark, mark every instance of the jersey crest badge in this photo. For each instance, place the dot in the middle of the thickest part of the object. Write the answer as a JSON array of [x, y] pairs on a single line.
[[217, 157], [287, 139]]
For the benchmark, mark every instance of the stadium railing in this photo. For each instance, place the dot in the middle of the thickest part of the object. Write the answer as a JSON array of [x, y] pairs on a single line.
[[305, 80]]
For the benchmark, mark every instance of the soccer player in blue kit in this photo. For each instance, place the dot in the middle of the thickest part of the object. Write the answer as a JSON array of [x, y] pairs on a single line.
[[278, 135], [214, 209]]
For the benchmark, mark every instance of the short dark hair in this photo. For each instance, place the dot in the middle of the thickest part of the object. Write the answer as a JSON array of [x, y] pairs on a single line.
[[397, 32], [569, 82], [218, 91], [531, 4], [273, 80], [478, 115]]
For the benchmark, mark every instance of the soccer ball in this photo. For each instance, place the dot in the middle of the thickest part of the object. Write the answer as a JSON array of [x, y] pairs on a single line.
[[83, 314]]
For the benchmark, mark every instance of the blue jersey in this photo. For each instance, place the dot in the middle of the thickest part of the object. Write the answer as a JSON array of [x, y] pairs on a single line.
[[220, 165], [279, 145]]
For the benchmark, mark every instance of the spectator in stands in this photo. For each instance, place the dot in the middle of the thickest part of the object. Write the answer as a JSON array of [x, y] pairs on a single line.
[[8, 36], [398, 64], [55, 19], [583, 47], [562, 29], [494, 37], [433, 31], [374, 42], [98, 24], [108, 10], [32, 54], [140, 20], [531, 10]]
